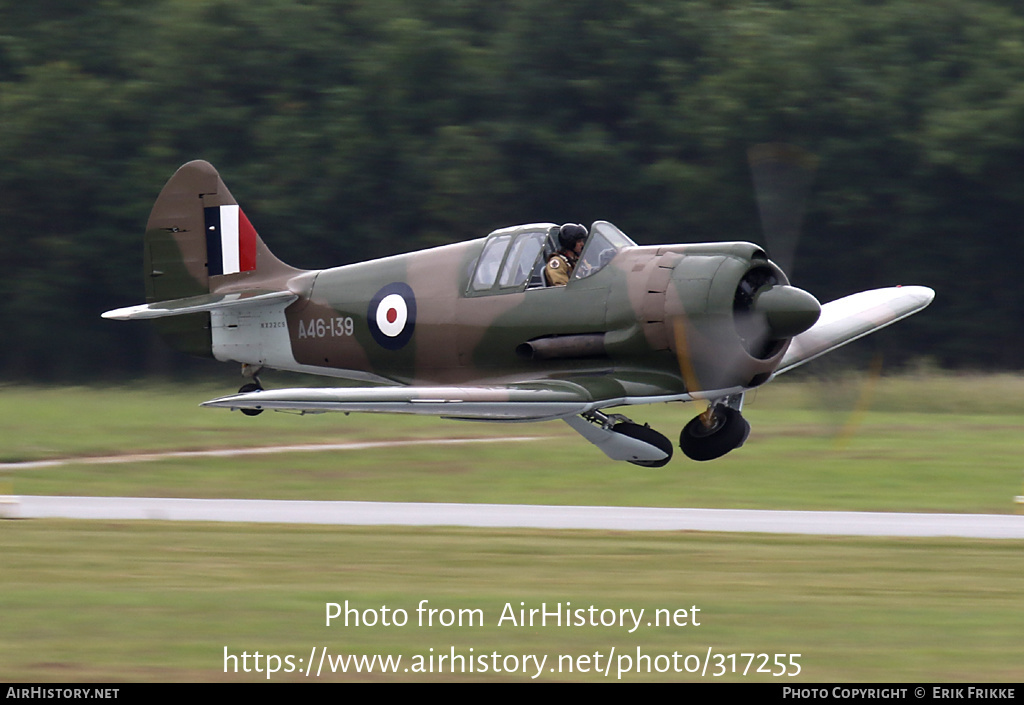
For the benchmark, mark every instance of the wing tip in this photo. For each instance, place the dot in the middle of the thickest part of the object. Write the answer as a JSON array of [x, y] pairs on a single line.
[[232, 401], [122, 314], [925, 293]]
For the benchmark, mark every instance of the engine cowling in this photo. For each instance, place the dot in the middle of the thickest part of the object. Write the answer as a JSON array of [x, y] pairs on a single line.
[[731, 314]]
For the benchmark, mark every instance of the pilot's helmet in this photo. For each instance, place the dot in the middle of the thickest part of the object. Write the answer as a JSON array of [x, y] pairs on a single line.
[[569, 234]]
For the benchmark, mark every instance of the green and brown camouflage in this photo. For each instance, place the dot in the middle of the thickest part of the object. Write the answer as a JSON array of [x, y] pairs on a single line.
[[471, 330]]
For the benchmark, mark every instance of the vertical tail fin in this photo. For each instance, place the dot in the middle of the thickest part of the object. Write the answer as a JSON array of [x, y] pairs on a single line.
[[199, 241]]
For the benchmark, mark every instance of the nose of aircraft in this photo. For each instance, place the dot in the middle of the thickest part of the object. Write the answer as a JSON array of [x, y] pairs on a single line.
[[788, 311]]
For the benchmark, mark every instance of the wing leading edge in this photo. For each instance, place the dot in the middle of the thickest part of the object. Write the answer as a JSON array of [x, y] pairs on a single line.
[[844, 320]]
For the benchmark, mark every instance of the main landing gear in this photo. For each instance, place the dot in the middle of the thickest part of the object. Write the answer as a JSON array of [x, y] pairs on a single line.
[[254, 386], [648, 437], [715, 432], [621, 439], [710, 435]]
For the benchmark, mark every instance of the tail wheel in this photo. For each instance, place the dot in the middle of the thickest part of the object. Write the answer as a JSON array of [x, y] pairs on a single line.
[[245, 389], [707, 439], [649, 436]]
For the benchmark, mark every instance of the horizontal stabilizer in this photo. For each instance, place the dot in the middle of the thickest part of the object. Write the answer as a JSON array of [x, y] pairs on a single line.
[[528, 402], [844, 320], [201, 304]]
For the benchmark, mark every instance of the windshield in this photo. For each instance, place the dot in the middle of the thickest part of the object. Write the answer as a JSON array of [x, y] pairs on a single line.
[[605, 240]]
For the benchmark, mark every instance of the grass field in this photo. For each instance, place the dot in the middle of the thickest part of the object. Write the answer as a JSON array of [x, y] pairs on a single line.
[[927, 444], [160, 601]]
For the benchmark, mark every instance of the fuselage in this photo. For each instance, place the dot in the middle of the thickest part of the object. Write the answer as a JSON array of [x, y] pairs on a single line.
[[464, 313]]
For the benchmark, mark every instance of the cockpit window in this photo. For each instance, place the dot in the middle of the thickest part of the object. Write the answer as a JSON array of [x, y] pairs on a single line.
[[513, 259], [521, 258], [490, 260], [605, 240]]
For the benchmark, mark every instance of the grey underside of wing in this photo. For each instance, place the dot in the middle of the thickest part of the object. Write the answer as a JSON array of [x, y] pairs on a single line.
[[844, 320], [503, 403], [526, 401]]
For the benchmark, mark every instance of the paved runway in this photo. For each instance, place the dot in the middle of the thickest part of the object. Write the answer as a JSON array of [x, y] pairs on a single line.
[[991, 526], [987, 526]]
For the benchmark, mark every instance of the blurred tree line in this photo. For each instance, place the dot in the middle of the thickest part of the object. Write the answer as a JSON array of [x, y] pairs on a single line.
[[352, 129]]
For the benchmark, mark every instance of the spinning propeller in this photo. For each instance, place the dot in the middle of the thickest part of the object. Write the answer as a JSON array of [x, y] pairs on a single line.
[[766, 310], [783, 174]]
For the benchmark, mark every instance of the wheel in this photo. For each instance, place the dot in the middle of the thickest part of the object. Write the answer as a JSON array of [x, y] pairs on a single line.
[[649, 436], [245, 389], [728, 431]]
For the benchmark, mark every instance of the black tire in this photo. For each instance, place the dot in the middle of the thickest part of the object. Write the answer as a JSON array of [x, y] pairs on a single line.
[[245, 389], [651, 437], [728, 431]]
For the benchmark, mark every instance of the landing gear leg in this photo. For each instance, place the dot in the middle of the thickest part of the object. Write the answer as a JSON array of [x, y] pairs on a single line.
[[714, 433]]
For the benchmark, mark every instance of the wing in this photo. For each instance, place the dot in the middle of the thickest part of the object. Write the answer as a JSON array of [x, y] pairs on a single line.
[[539, 401], [200, 304], [844, 320]]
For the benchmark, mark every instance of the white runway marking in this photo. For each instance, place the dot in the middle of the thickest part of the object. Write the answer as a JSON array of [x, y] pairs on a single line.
[[986, 526], [267, 450]]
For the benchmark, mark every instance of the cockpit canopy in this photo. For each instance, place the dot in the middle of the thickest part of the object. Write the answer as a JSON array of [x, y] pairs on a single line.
[[513, 258]]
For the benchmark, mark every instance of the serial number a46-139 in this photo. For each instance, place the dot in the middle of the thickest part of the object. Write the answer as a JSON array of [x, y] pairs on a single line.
[[337, 327]]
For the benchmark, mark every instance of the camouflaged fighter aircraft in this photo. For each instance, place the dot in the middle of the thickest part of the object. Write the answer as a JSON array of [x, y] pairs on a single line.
[[472, 331]]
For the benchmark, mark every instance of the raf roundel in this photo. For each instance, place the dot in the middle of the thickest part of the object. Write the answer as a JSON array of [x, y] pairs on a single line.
[[392, 315]]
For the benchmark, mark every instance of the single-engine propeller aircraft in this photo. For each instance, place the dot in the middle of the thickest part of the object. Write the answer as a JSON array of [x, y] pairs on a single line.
[[473, 330]]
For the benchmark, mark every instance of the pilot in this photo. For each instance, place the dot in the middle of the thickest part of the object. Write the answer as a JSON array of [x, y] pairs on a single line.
[[571, 237]]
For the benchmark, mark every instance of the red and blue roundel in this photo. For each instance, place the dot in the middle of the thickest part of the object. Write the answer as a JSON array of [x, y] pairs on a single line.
[[392, 315]]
